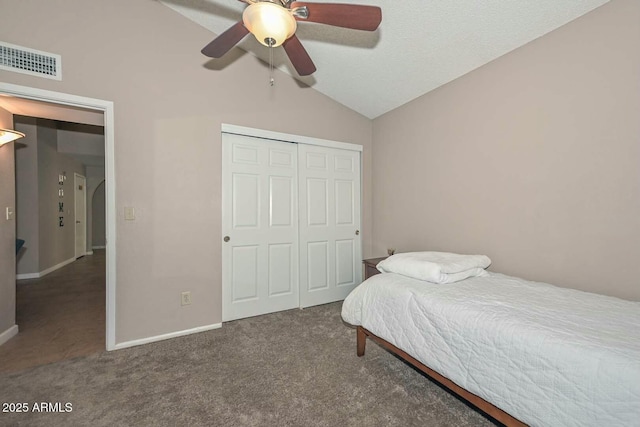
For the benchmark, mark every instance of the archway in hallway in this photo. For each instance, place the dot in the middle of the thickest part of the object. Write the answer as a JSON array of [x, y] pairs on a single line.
[[98, 230]]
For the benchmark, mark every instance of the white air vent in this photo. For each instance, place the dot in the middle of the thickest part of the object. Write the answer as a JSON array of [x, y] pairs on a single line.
[[30, 61]]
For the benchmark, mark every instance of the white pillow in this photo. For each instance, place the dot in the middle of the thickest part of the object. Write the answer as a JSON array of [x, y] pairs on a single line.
[[435, 267]]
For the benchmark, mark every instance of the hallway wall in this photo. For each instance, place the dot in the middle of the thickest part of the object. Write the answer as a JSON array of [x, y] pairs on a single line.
[[55, 244], [7, 235]]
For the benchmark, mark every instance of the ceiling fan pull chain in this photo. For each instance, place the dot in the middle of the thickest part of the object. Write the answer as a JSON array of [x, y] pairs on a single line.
[[270, 43], [271, 80]]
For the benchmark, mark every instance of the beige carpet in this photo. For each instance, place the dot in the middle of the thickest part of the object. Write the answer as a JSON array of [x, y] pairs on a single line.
[[294, 368]]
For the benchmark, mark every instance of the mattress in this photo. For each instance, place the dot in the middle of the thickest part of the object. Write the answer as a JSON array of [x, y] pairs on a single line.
[[546, 355]]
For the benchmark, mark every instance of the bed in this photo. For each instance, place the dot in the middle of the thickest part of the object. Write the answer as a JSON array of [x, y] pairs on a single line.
[[526, 353]]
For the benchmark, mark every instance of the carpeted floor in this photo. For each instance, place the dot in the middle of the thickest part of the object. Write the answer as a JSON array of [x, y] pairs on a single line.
[[294, 368]]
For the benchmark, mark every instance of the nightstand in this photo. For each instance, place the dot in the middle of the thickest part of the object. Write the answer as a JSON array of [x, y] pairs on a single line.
[[370, 266]]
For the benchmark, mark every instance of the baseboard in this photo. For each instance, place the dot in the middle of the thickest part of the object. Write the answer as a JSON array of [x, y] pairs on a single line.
[[98, 247], [44, 272], [8, 334], [89, 253], [162, 337]]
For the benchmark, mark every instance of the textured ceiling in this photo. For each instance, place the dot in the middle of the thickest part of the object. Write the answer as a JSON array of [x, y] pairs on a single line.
[[419, 46]]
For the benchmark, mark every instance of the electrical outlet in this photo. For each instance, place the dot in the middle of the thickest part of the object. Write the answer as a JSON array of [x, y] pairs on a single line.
[[186, 298]]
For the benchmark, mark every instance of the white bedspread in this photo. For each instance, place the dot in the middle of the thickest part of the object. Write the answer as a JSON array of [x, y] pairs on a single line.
[[548, 356]]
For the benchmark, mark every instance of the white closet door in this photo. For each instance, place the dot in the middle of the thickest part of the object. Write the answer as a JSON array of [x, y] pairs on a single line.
[[330, 242], [260, 218]]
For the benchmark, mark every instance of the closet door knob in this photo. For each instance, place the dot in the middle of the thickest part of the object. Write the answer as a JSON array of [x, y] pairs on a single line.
[[357, 232], [227, 238]]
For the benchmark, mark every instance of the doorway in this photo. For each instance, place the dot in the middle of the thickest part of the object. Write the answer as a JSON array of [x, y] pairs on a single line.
[[106, 108]]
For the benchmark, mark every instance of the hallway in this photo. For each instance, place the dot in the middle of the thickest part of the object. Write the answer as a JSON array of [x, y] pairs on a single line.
[[60, 316]]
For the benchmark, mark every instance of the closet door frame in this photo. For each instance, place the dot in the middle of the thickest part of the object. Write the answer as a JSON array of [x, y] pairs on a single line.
[[298, 139], [285, 137]]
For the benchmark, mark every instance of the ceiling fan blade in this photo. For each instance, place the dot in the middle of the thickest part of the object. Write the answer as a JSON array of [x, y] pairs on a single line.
[[225, 41], [298, 56], [357, 17]]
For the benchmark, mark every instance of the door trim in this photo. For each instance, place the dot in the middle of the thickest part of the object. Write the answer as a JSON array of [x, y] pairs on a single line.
[[286, 137], [110, 177]]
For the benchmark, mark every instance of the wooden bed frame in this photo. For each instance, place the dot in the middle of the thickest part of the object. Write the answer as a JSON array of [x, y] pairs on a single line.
[[474, 400]]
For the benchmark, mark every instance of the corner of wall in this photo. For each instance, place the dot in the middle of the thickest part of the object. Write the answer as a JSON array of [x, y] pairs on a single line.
[[7, 234]]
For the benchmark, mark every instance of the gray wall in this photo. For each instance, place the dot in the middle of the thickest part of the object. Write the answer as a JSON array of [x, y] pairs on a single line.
[[532, 159], [57, 244], [27, 205], [7, 230], [38, 165], [98, 224], [170, 102], [80, 139]]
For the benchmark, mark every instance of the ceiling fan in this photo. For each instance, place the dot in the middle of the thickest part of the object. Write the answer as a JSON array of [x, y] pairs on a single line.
[[273, 23]]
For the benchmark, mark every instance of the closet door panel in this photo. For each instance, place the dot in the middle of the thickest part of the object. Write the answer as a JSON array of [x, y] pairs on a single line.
[[291, 221], [260, 221], [330, 243]]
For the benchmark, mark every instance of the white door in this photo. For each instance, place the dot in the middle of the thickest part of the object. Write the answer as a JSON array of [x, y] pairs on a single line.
[[80, 209], [259, 225], [330, 242]]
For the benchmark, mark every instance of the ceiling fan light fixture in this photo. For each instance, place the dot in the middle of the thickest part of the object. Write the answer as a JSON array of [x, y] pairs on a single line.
[[270, 23]]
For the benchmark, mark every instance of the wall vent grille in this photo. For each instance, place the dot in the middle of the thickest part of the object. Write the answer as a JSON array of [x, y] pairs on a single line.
[[30, 61]]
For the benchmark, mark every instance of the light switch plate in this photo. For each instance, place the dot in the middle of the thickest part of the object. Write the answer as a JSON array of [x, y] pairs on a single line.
[[9, 213], [129, 213]]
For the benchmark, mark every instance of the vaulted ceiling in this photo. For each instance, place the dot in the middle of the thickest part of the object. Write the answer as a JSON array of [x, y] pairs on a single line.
[[419, 46]]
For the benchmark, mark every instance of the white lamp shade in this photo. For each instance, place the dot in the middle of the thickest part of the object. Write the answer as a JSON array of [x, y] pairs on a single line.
[[8, 135], [267, 21]]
